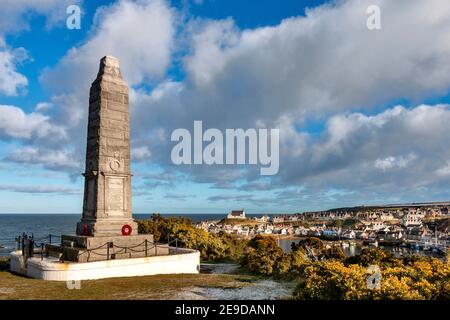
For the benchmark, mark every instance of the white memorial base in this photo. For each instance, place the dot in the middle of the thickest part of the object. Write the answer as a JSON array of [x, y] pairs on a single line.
[[183, 261]]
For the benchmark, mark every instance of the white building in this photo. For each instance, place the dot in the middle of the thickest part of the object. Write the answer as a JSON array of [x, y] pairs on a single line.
[[236, 214], [265, 218], [413, 218]]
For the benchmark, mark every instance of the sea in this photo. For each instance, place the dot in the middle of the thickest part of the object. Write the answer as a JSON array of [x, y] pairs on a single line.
[[41, 225]]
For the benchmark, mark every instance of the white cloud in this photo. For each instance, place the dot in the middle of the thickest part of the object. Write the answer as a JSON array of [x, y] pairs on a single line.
[[16, 17], [54, 189], [14, 123], [11, 81], [141, 153], [323, 63], [394, 162], [51, 159], [319, 67], [444, 170], [43, 106], [139, 33], [304, 68], [398, 148]]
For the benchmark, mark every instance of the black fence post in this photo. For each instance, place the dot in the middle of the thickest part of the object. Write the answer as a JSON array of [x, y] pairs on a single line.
[[42, 251], [107, 251], [31, 248], [50, 239], [146, 254], [23, 245], [18, 241], [176, 245]]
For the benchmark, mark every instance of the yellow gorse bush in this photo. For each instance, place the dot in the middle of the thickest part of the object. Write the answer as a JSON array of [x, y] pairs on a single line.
[[422, 280]]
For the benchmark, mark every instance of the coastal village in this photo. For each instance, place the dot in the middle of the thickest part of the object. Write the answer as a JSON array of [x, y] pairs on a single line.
[[423, 226]]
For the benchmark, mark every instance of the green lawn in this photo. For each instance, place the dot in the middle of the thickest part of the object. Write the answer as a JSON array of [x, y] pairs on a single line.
[[142, 288]]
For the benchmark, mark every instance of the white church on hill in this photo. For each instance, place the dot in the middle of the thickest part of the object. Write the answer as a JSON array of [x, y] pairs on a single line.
[[236, 214]]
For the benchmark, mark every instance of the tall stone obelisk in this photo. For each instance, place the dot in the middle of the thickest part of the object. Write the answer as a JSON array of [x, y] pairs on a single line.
[[107, 188]]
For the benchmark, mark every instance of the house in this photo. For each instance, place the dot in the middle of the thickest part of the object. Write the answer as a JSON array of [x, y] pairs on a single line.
[[260, 230], [393, 235], [244, 231], [264, 219], [362, 234], [343, 215], [376, 225], [412, 219], [372, 235], [301, 231], [349, 234], [386, 216], [369, 216], [417, 233], [236, 214], [278, 219]]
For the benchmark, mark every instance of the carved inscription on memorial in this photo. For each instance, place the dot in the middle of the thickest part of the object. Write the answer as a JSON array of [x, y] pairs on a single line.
[[115, 195], [90, 196]]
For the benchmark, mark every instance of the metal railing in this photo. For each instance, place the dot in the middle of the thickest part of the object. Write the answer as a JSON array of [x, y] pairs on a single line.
[[28, 244], [145, 247]]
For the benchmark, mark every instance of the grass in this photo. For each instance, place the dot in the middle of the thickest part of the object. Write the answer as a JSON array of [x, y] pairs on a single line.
[[14, 286]]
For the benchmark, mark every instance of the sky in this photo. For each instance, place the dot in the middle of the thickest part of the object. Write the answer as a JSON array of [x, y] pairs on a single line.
[[363, 114]]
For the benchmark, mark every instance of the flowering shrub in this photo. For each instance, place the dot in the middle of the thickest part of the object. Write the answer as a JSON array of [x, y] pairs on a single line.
[[425, 279]]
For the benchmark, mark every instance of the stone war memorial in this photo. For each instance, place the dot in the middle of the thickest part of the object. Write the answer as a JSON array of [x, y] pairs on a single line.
[[106, 243]]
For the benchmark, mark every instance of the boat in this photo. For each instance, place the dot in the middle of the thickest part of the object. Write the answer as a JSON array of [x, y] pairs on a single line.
[[373, 244]]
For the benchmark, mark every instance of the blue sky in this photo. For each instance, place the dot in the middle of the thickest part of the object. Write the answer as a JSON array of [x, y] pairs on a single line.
[[362, 114]]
